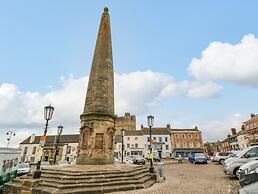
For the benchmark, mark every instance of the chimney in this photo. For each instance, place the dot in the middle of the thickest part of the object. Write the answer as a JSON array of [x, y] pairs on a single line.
[[196, 127], [233, 131], [32, 138], [168, 126], [252, 115]]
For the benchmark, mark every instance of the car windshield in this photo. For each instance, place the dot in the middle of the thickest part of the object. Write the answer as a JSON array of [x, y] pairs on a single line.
[[24, 165], [199, 155]]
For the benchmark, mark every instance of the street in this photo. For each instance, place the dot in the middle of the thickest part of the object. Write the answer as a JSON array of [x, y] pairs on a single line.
[[186, 178]]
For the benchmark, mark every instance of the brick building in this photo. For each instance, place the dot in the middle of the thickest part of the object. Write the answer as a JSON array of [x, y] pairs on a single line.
[[225, 144], [251, 130], [185, 141], [212, 147]]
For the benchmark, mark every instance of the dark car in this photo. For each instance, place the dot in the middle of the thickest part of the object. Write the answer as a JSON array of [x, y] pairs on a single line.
[[138, 160], [249, 189], [156, 159], [198, 158], [247, 173]]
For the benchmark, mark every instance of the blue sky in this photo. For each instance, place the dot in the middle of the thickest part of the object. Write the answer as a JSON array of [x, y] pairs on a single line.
[[45, 44]]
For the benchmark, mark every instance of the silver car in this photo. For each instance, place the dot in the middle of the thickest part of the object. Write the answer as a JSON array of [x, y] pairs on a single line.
[[250, 189], [246, 173], [231, 165]]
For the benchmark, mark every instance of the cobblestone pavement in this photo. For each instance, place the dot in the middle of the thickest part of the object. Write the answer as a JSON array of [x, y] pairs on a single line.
[[189, 178]]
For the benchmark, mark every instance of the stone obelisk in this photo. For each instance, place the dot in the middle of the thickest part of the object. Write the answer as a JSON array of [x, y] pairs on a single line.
[[98, 119]]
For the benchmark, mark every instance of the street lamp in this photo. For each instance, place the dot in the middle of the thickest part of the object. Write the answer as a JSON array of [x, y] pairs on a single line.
[[59, 131], [150, 120], [122, 135], [48, 113], [9, 135]]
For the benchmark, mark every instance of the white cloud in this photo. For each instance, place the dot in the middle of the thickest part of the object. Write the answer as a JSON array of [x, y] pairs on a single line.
[[136, 92], [219, 128], [223, 61]]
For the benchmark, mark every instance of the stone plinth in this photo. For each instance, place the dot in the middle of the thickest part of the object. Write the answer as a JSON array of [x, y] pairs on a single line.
[[81, 179]]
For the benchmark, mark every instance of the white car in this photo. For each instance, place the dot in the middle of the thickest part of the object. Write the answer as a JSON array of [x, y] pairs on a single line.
[[23, 168], [62, 162]]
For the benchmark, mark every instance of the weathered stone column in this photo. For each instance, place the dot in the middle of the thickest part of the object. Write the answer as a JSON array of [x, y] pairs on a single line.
[[98, 119]]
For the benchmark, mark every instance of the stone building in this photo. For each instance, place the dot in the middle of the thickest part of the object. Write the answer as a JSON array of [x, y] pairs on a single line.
[[31, 150], [185, 141], [127, 122]]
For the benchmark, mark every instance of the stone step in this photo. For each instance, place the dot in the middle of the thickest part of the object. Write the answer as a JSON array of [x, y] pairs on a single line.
[[92, 180], [93, 190], [72, 177], [87, 185], [83, 173]]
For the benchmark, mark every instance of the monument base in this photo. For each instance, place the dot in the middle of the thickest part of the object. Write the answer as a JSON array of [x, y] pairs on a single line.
[[83, 160], [83, 179]]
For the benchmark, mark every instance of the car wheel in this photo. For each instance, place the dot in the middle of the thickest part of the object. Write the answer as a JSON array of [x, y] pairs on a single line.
[[235, 171], [221, 161]]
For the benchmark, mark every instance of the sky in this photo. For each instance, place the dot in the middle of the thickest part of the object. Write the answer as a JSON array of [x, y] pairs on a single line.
[[187, 63]]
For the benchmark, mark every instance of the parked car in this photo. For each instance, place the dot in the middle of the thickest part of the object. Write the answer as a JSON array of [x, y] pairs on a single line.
[[233, 154], [44, 164], [62, 162], [231, 165], [23, 168], [156, 158], [250, 189], [220, 157], [138, 160], [246, 173], [198, 158], [129, 159]]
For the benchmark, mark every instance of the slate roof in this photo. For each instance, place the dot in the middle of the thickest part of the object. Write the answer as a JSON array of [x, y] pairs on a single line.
[[156, 131], [72, 138]]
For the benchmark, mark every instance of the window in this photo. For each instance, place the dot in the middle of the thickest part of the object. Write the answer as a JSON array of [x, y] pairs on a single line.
[[32, 159], [197, 136], [166, 139], [34, 150], [136, 145], [166, 147], [177, 145], [176, 136], [154, 138], [183, 136], [253, 152], [135, 138], [160, 139], [128, 138], [25, 150], [148, 139], [190, 136], [198, 145], [68, 151], [128, 145]]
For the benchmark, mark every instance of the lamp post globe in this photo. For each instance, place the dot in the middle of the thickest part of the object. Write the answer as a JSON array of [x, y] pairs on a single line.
[[48, 112], [60, 129], [150, 120]]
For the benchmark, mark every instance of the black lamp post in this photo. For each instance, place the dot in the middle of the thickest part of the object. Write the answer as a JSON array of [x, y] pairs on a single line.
[[9, 135], [122, 135], [48, 113], [150, 120], [59, 132]]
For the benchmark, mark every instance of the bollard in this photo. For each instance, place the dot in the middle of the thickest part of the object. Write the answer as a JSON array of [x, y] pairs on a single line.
[[161, 169]]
